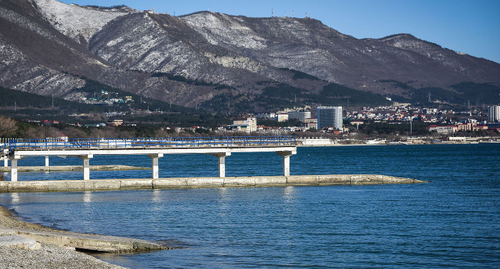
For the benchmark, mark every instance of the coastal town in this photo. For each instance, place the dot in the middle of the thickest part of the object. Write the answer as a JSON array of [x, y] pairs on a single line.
[[247, 134], [327, 125]]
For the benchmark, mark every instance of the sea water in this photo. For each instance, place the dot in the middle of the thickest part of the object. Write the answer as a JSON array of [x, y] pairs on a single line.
[[453, 221]]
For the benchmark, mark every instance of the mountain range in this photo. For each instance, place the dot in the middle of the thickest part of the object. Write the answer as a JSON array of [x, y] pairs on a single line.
[[226, 63]]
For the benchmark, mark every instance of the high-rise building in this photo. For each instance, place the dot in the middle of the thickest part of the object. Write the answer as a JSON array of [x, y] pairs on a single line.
[[494, 114], [329, 116]]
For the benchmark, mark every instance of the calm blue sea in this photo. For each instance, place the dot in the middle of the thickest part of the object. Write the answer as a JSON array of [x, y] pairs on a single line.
[[453, 221]]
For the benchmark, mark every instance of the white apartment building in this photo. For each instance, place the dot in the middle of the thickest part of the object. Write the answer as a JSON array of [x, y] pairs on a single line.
[[246, 123], [299, 115], [281, 117], [494, 114]]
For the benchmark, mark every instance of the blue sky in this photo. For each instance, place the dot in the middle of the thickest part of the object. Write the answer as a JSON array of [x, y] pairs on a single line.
[[469, 26]]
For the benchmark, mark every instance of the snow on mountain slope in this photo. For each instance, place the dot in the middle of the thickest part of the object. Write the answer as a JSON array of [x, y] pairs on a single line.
[[137, 42], [220, 28], [18, 72], [191, 59], [75, 21]]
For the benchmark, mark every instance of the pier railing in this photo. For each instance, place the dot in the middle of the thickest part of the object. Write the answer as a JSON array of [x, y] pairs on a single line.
[[144, 143]]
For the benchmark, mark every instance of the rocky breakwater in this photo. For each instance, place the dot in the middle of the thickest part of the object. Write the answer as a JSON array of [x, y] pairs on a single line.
[[199, 182]]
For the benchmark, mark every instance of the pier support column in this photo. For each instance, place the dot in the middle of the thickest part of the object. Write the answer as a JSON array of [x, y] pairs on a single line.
[[86, 165], [47, 161], [154, 164], [286, 161], [5, 159], [222, 162], [13, 169]]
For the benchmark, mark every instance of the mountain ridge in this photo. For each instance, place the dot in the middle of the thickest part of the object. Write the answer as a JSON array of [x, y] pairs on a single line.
[[50, 48]]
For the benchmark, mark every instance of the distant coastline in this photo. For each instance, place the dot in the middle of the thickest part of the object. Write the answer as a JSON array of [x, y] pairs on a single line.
[[326, 142]]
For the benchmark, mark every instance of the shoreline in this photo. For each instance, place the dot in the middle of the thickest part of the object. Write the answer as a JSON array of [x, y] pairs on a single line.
[[399, 144], [199, 182], [79, 241], [28, 245]]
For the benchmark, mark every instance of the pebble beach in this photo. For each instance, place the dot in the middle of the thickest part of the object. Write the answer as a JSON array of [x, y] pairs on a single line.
[[17, 251], [49, 256]]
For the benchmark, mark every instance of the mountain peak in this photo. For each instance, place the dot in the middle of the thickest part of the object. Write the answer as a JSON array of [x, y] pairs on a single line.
[[76, 21], [399, 36], [52, 47]]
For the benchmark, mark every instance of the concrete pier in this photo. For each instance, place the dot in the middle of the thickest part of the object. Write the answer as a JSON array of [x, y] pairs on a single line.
[[154, 154], [154, 148], [200, 182]]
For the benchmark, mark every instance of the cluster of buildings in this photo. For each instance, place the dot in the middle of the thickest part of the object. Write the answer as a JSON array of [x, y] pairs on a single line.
[[406, 112], [105, 98], [465, 127], [330, 118], [400, 112], [472, 125]]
